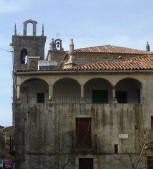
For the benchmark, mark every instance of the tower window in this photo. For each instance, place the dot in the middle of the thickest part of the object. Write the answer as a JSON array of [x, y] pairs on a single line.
[[23, 56]]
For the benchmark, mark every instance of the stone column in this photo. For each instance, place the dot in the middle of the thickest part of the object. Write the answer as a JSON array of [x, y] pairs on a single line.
[[114, 99], [82, 93], [18, 92], [50, 92]]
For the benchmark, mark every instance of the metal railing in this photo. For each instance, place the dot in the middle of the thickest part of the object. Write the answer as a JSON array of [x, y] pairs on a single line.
[[67, 100]]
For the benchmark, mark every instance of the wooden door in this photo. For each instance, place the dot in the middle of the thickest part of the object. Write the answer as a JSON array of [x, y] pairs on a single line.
[[83, 132], [85, 163]]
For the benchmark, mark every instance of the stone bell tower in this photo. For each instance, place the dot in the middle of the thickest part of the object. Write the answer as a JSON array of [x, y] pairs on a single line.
[[27, 45]]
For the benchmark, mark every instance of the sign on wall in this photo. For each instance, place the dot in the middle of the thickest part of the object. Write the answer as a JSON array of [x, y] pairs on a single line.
[[123, 136]]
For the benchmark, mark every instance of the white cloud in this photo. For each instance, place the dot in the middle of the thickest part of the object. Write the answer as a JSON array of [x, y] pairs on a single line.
[[9, 6]]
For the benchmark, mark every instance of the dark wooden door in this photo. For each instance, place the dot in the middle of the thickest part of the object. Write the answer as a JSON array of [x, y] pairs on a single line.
[[150, 162], [85, 163], [83, 132]]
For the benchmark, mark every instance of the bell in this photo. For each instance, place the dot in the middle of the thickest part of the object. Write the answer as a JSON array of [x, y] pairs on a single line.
[[58, 44]]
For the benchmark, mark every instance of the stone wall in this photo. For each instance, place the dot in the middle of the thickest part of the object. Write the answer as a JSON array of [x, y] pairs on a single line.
[[1, 143], [8, 133], [46, 134]]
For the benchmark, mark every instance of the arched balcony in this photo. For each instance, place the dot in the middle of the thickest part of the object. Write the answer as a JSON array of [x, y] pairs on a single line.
[[98, 91], [128, 91], [67, 91], [34, 91]]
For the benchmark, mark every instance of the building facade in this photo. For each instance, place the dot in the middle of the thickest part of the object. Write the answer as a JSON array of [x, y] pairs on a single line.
[[1, 144], [7, 148], [82, 108]]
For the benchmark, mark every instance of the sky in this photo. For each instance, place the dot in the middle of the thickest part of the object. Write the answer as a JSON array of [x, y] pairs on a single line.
[[127, 23]]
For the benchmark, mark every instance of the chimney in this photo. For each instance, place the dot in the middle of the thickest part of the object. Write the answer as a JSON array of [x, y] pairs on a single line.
[[70, 63], [71, 47]]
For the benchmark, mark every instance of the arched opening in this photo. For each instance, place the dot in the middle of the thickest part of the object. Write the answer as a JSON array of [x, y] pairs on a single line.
[[67, 91], [98, 91], [23, 56], [30, 29], [128, 91], [34, 91]]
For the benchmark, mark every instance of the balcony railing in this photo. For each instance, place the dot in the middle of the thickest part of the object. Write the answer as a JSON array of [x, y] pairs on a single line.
[[69, 100]]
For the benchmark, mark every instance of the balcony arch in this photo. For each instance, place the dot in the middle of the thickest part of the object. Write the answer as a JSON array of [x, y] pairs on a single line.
[[34, 91], [67, 90], [98, 90], [128, 90]]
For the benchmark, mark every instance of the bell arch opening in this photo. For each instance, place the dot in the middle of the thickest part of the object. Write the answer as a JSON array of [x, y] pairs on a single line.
[[30, 29], [24, 56]]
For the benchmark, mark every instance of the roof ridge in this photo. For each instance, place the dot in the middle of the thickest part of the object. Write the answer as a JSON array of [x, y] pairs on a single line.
[[111, 46]]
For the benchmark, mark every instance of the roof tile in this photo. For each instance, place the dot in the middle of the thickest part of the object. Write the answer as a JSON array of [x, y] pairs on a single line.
[[111, 49], [136, 63]]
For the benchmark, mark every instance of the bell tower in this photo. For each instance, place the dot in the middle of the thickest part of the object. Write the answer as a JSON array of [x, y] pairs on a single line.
[[26, 45]]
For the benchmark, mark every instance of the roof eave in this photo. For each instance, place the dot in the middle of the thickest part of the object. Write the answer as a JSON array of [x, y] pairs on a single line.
[[83, 71]]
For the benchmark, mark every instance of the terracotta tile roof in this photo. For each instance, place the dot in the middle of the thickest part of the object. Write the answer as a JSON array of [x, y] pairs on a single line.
[[111, 49], [136, 63]]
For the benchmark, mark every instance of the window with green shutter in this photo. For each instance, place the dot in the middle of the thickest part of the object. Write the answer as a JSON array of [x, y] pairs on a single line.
[[100, 96]]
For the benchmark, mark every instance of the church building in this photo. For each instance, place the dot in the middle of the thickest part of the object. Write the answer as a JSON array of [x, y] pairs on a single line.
[[86, 108]]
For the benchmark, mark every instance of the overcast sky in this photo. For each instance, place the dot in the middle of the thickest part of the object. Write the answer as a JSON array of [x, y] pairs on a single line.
[[126, 23]]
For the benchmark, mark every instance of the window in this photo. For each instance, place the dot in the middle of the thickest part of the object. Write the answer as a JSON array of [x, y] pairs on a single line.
[[83, 132], [40, 98], [100, 96], [85, 163], [116, 148], [121, 96], [151, 123]]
